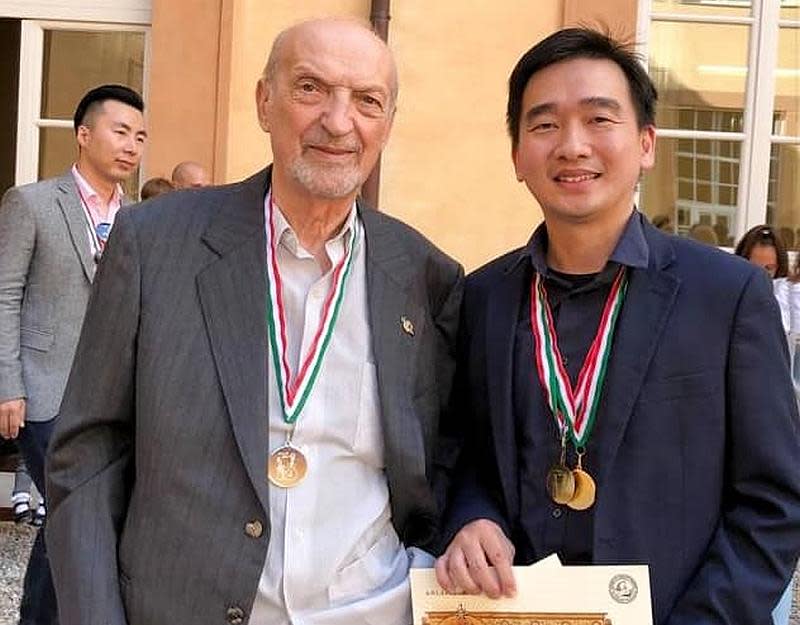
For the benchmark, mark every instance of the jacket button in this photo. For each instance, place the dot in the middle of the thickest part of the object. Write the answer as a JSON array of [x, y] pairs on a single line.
[[235, 615], [254, 529]]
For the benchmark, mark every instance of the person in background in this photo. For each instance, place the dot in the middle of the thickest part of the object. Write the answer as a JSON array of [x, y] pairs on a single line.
[[704, 233], [52, 234], [188, 174], [22, 498], [155, 187], [763, 246], [663, 222]]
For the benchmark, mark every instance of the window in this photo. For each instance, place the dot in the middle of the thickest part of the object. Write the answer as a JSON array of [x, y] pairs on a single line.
[[728, 152], [59, 62]]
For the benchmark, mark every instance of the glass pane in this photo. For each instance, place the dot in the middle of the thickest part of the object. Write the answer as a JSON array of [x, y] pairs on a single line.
[[702, 204], [701, 82], [75, 61], [741, 8], [786, 120], [57, 152], [790, 9], [784, 177]]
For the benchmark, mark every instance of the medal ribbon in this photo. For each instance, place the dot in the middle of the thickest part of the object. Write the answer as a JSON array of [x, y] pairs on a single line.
[[294, 391], [573, 408]]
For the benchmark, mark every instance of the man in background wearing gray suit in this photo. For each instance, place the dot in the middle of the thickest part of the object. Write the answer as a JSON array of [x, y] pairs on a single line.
[[51, 234], [260, 447]]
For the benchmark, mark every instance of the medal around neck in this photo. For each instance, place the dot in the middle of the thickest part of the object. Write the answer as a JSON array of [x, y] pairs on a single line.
[[560, 484], [574, 408], [287, 466], [585, 490]]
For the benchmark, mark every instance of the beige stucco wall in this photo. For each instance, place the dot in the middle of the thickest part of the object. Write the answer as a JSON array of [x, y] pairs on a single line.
[[182, 94]]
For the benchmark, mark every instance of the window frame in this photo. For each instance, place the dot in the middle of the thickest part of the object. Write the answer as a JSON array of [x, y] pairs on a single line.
[[756, 137]]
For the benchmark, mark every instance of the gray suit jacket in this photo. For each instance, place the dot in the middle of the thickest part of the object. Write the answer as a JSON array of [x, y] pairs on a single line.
[[46, 269], [155, 474]]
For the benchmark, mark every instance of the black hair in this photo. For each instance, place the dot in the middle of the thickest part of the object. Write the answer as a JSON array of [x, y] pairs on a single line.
[[94, 99], [765, 235], [572, 43]]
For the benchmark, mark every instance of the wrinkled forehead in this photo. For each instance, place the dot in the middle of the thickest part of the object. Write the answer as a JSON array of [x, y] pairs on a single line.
[[339, 49]]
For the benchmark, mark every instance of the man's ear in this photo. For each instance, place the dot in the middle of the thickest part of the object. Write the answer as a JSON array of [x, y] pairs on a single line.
[[647, 138], [262, 104], [514, 153], [83, 135]]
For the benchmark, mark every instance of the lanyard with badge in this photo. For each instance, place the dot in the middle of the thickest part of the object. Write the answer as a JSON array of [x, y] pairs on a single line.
[[287, 465], [100, 230], [574, 409]]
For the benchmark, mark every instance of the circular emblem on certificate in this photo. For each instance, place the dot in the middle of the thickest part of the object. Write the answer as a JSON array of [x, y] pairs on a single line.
[[623, 588], [287, 466]]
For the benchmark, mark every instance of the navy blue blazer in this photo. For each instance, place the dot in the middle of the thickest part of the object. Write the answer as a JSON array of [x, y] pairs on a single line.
[[695, 449]]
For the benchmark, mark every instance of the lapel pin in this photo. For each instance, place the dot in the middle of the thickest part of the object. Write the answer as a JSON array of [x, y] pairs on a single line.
[[408, 327]]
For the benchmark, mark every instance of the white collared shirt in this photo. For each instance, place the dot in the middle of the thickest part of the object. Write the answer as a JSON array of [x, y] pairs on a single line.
[[334, 557]]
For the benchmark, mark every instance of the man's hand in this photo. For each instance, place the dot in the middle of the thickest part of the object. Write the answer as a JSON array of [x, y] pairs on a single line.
[[467, 564], [12, 417]]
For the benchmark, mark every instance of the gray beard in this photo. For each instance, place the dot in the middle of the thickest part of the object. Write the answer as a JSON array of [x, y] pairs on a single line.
[[327, 182]]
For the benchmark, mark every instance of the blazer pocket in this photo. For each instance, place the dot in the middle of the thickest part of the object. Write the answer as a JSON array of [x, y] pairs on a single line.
[[39, 340]]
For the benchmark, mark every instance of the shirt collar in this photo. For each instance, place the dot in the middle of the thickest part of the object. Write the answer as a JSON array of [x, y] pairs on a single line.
[[631, 249], [88, 192], [287, 237]]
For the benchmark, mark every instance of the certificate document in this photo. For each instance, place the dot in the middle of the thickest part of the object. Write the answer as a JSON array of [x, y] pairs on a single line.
[[547, 594]]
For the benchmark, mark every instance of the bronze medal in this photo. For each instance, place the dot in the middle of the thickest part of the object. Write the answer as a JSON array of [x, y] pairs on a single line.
[[585, 490], [287, 466], [560, 484]]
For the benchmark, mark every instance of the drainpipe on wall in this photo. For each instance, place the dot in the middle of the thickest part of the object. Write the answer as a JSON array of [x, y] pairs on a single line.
[[379, 18]]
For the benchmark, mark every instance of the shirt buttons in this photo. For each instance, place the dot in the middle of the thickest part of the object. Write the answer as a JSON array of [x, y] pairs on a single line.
[[235, 615], [254, 529], [557, 512]]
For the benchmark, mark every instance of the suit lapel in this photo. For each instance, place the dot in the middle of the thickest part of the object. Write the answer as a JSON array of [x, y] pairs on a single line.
[[648, 303], [502, 314], [232, 293], [389, 275], [70, 205]]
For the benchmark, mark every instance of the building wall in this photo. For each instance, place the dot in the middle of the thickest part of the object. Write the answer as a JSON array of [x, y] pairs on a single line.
[[183, 103]]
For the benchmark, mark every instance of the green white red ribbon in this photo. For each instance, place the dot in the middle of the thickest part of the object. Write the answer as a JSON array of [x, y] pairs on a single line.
[[573, 408], [295, 389]]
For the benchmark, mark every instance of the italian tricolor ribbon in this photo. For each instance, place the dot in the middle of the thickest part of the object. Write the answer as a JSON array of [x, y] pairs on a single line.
[[573, 408], [294, 390]]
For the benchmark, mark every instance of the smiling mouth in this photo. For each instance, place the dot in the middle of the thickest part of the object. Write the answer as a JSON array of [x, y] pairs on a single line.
[[333, 151], [577, 177]]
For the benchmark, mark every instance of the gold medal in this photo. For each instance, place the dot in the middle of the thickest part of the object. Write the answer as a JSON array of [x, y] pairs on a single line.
[[560, 484], [287, 466], [585, 489], [560, 481]]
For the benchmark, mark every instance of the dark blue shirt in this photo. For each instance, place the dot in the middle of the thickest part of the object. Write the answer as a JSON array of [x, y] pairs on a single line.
[[576, 302]]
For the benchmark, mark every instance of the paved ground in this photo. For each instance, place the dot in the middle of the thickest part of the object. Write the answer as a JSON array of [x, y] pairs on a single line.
[[15, 543]]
